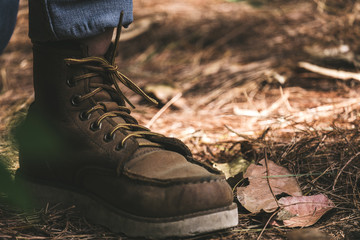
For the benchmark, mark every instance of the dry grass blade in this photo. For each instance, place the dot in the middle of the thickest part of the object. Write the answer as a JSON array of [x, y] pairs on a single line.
[[266, 224], [163, 109]]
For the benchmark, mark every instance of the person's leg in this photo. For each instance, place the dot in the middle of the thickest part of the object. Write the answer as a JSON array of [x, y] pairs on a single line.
[[8, 12], [79, 143], [54, 20]]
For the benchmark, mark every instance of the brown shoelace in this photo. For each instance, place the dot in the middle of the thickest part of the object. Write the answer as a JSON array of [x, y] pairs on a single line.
[[101, 67]]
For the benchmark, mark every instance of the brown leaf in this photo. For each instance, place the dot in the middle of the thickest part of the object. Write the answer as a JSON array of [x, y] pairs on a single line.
[[303, 211], [257, 195]]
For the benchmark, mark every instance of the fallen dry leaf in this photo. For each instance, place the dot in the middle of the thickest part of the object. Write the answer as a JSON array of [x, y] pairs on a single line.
[[232, 168], [303, 211], [257, 195]]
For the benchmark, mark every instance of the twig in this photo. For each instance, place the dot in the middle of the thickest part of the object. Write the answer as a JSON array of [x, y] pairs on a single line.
[[266, 112], [286, 99], [163, 109], [234, 188], [238, 134], [268, 180], [343, 75], [342, 220], [267, 223], [316, 113], [318, 146], [263, 134], [342, 169], [322, 174]]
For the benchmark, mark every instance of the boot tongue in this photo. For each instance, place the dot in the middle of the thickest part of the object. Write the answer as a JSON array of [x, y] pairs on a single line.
[[98, 45], [103, 97], [101, 47]]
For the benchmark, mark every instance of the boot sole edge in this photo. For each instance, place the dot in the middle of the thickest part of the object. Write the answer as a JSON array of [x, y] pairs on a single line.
[[131, 225]]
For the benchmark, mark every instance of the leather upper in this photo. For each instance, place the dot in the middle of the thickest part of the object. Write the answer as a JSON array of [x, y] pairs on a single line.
[[58, 146]]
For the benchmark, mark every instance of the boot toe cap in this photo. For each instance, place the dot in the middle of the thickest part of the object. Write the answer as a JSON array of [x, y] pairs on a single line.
[[146, 199], [165, 165], [161, 184]]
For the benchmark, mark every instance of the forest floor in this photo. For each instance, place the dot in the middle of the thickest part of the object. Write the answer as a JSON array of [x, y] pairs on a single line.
[[279, 77]]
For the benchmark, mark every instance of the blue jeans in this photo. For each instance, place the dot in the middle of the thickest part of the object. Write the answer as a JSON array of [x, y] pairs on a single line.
[[8, 12], [52, 20]]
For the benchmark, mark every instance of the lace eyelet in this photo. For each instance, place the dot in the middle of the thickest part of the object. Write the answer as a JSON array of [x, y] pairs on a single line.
[[83, 116], [118, 147], [95, 127], [75, 100], [109, 137], [70, 83]]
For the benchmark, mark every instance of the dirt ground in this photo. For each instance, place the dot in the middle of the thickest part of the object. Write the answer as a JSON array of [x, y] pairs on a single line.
[[226, 74]]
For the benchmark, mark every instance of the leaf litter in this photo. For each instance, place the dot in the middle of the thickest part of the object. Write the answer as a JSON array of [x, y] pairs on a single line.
[[267, 182]]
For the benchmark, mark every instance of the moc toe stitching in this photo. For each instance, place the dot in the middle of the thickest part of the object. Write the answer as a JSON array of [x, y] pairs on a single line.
[[152, 200], [176, 181]]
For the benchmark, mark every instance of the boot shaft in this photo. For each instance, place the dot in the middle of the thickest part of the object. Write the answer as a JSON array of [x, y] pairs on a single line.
[[53, 90], [52, 76]]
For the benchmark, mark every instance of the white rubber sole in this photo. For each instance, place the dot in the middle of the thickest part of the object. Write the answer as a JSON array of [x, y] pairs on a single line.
[[134, 226]]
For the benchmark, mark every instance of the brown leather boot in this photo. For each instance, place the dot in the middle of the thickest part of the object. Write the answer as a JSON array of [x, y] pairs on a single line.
[[80, 145]]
